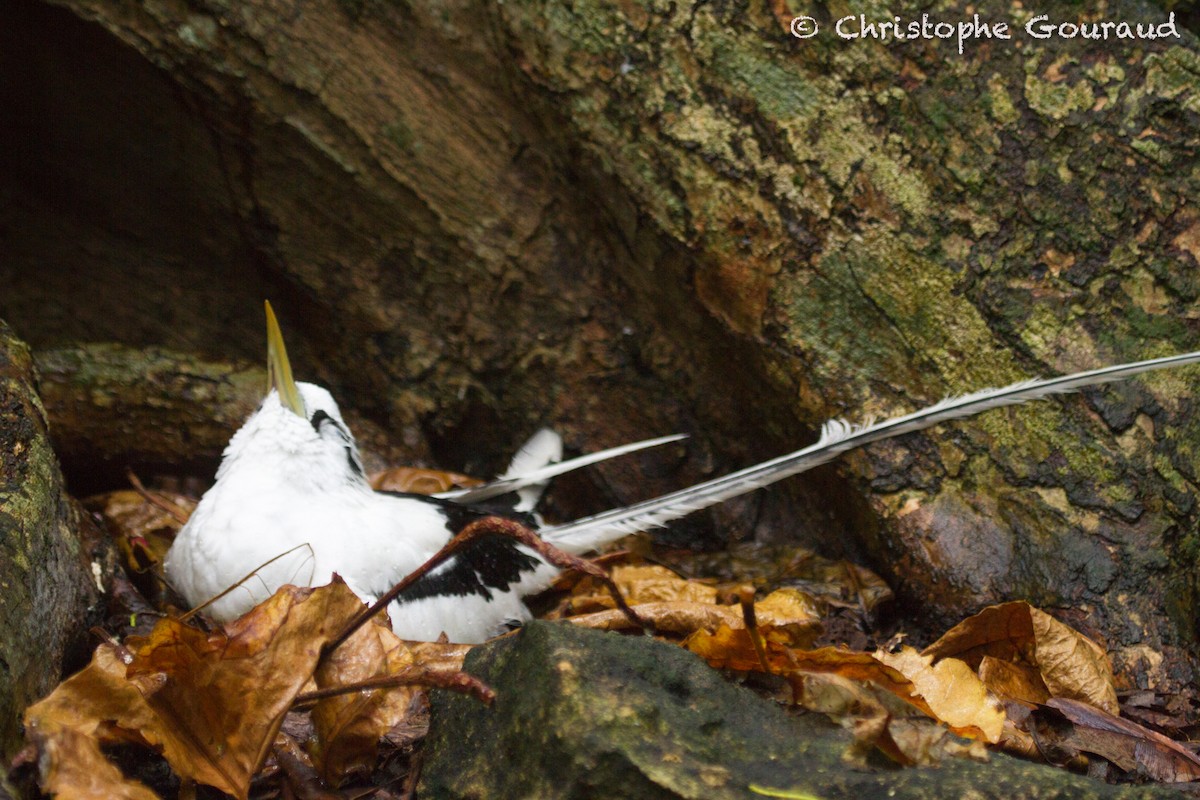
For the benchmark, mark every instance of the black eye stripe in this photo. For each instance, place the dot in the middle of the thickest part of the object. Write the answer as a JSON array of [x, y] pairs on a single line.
[[321, 417]]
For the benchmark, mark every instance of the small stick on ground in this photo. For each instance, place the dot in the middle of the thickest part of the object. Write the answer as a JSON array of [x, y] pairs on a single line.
[[491, 526], [746, 598], [455, 681]]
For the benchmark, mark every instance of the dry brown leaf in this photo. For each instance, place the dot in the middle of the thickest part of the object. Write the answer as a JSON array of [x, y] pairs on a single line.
[[1070, 664], [859, 690], [419, 481], [878, 717], [837, 582], [212, 702], [680, 618], [1016, 681], [638, 584], [792, 612], [922, 742], [221, 697], [786, 619], [348, 726], [69, 726], [954, 692]]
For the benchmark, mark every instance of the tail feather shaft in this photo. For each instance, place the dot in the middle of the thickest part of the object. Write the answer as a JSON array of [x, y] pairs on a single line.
[[837, 436]]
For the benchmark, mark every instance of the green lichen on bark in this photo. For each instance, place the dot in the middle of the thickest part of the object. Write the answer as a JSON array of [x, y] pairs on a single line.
[[946, 222]]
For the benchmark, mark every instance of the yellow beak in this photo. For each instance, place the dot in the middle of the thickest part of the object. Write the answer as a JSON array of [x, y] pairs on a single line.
[[279, 370]]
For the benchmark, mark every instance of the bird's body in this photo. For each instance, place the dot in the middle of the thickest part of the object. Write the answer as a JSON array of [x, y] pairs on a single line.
[[291, 506]]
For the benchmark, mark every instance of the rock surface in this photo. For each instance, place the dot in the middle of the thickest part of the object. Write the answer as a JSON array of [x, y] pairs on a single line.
[[583, 714]]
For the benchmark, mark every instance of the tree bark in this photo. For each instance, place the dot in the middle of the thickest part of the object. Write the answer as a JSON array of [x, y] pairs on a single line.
[[627, 219], [114, 408], [52, 575]]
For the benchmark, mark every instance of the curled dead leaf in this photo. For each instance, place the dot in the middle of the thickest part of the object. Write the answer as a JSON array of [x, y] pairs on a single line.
[[786, 619], [94, 707], [1068, 663], [1128, 745], [349, 726], [143, 529], [953, 691]]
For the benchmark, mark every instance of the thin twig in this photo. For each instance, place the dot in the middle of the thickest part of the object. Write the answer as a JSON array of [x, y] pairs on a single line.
[[746, 598], [153, 499], [243, 579], [489, 526]]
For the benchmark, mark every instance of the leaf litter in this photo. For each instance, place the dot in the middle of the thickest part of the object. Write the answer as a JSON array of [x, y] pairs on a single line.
[[266, 696]]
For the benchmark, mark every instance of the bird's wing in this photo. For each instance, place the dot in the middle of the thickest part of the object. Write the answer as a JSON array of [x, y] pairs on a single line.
[[837, 436], [512, 483]]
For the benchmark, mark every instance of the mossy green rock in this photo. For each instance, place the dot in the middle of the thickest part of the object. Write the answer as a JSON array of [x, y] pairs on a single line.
[[582, 714], [48, 592]]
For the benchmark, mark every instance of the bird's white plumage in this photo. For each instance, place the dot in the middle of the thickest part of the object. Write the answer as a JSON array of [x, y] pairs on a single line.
[[286, 491]]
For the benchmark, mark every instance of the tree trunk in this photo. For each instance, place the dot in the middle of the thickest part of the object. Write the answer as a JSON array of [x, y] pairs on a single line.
[[629, 219], [52, 578]]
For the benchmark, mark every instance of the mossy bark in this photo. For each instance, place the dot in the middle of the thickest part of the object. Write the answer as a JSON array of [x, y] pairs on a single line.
[[51, 578], [630, 218]]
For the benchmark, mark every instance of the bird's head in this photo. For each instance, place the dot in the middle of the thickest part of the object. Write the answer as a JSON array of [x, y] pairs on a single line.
[[297, 435]]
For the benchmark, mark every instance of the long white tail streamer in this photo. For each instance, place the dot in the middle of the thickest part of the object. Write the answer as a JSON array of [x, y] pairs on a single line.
[[837, 436]]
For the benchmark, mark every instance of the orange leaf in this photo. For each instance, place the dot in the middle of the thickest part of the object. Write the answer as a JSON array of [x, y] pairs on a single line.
[[349, 726]]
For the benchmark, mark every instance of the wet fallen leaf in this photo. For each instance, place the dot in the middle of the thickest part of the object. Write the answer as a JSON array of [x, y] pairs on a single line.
[[880, 718], [224, 694], [786, 619], [1069, 664], [638, 584], [143, 530], [768, 567], [419, 481]]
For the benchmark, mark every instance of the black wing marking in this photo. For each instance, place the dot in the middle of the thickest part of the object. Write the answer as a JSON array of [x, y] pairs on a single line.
[[482, 565], [460, 515]]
